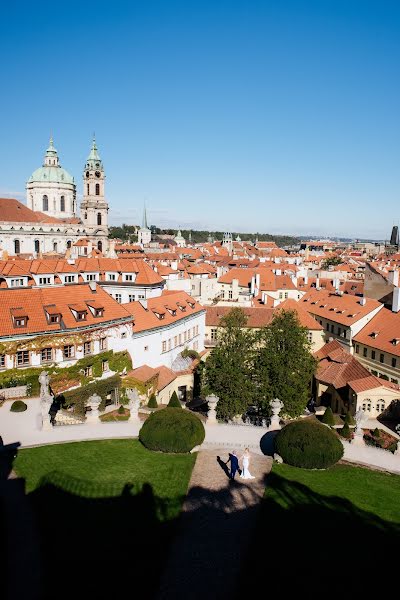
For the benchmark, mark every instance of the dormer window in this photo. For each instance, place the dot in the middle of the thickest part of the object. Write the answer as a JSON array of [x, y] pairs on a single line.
[[181, 307], [79, 311], [54, 318], [19, 317], [81, 315], [159, 315], [53, 314], [374, 334], [395, 341]]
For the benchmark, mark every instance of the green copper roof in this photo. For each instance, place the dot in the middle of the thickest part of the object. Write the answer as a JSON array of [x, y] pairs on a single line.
[[51, 151], [52, 174], [94, 161]]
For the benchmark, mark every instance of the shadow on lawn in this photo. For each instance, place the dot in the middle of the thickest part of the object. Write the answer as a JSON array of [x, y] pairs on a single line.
[[99, 547], [303, 539]]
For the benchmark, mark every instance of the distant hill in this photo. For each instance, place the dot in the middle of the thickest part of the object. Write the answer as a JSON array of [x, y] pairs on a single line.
[[126, 232]]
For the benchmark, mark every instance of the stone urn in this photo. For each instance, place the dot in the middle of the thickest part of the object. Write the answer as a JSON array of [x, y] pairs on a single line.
[[276, 407], [92, 416], [212, 401]]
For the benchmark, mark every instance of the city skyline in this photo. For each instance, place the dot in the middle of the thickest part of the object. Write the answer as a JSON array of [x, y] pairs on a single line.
[[278, 120]]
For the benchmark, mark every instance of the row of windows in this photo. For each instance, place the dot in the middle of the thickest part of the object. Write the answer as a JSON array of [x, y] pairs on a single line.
[[331, 327], [373, 355], [97, 189], [23, 357], [131, 297], [380, 405], [45, 204], [113, 277], [180, 339]]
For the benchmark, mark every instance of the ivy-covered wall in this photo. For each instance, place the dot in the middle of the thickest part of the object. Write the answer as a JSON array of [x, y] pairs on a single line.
[[79, 397], [66, 376]]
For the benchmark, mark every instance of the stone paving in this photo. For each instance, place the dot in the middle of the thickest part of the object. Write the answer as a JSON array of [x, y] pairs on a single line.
[[215, 526]]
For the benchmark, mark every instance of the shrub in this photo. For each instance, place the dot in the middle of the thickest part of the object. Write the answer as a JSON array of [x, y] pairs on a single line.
[[345, 431], [172, 430], [18, 406], [121, 410], [376, 433], [328, 418], [188, 353], [152, 402], [308, 444], [349, 419], [174, 402]]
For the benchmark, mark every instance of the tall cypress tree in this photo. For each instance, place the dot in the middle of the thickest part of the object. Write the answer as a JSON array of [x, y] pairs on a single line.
[[228, 370], [283, 364]]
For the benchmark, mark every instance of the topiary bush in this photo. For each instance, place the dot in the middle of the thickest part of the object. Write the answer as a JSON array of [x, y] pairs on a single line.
[[349, 419], [174, 402], [328, 418], [345, 431], [173, 430], [152, 402], [18, 406], [121, 410], [308, 444], [376, 433]]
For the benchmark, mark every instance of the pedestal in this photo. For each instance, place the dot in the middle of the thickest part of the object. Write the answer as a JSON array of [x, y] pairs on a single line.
[[358, 438], [275, 423], [92, 416]]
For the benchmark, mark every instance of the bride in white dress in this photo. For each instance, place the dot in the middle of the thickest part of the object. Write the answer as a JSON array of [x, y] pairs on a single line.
[[245, 474]]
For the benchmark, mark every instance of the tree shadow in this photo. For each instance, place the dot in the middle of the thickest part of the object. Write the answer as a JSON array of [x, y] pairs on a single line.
[[96, 540]]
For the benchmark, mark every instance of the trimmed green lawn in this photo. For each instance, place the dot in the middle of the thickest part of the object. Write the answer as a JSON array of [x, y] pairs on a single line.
[[372, 491], [105, 467], [102, 510], [317, 531]]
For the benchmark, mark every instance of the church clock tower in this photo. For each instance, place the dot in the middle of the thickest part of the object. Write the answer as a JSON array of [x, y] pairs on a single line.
[[94, 207]]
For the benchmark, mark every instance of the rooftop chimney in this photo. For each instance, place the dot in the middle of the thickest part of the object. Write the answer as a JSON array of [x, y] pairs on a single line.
[[396, 299], [93, 286], [143, 302], [363, 301]]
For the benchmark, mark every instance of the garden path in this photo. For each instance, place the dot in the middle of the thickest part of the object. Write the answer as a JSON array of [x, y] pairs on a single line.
[[215, 526]]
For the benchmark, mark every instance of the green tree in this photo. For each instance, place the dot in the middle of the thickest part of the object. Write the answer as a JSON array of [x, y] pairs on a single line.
[[228, 370], [331, 261], [328, 417], [174, 402], [152, 402], [283, 364]]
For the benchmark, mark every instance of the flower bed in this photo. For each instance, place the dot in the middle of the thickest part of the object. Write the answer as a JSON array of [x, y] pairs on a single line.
[[115, 416], [385, 440]]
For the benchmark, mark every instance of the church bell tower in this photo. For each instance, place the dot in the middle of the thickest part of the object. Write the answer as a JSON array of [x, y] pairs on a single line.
[[94, 207]]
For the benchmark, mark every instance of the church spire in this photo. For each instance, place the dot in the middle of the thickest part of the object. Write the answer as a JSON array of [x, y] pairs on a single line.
[[144, 220]]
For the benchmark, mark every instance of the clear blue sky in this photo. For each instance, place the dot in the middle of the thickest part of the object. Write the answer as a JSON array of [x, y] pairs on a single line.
[[274, 116]]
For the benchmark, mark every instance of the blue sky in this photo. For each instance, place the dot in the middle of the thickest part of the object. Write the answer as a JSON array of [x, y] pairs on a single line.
[[280, 116]]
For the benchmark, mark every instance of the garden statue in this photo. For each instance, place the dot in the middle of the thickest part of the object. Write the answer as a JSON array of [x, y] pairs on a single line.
[[94, 403], [276, 406], [212, 403], [45, 400], [397, 451], [134, 403], [44, 381], [361, 417]]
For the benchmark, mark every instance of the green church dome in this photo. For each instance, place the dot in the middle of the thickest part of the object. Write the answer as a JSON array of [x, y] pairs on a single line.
[[51, 171], [51, 174]]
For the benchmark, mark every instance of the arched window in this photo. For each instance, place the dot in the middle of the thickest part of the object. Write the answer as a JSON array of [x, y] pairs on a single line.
[[55, 246], [100, 246], [45, 203], [17, 246], [37, 246], [69, 244], [97, 189], [85, 217], [87, 189], [62, 204], [98, 218]]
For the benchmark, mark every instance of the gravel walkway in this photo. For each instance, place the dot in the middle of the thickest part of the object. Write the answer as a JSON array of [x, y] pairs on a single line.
[[215, 526]]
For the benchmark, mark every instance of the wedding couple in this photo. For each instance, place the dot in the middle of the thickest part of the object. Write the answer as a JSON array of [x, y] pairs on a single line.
[[234, 460]]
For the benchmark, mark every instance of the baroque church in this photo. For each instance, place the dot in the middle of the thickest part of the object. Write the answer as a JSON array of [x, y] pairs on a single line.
[[49, 223]]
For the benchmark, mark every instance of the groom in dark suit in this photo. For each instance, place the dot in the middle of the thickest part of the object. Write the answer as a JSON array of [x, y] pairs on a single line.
[[233, 459]]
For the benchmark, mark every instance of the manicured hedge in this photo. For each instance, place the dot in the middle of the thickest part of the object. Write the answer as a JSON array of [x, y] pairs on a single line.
[[308, 444], [172, 430], [345, 431], [174, 402], [349, 419], [152, 402], [328, 417], [79, 396], [18, 406]]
